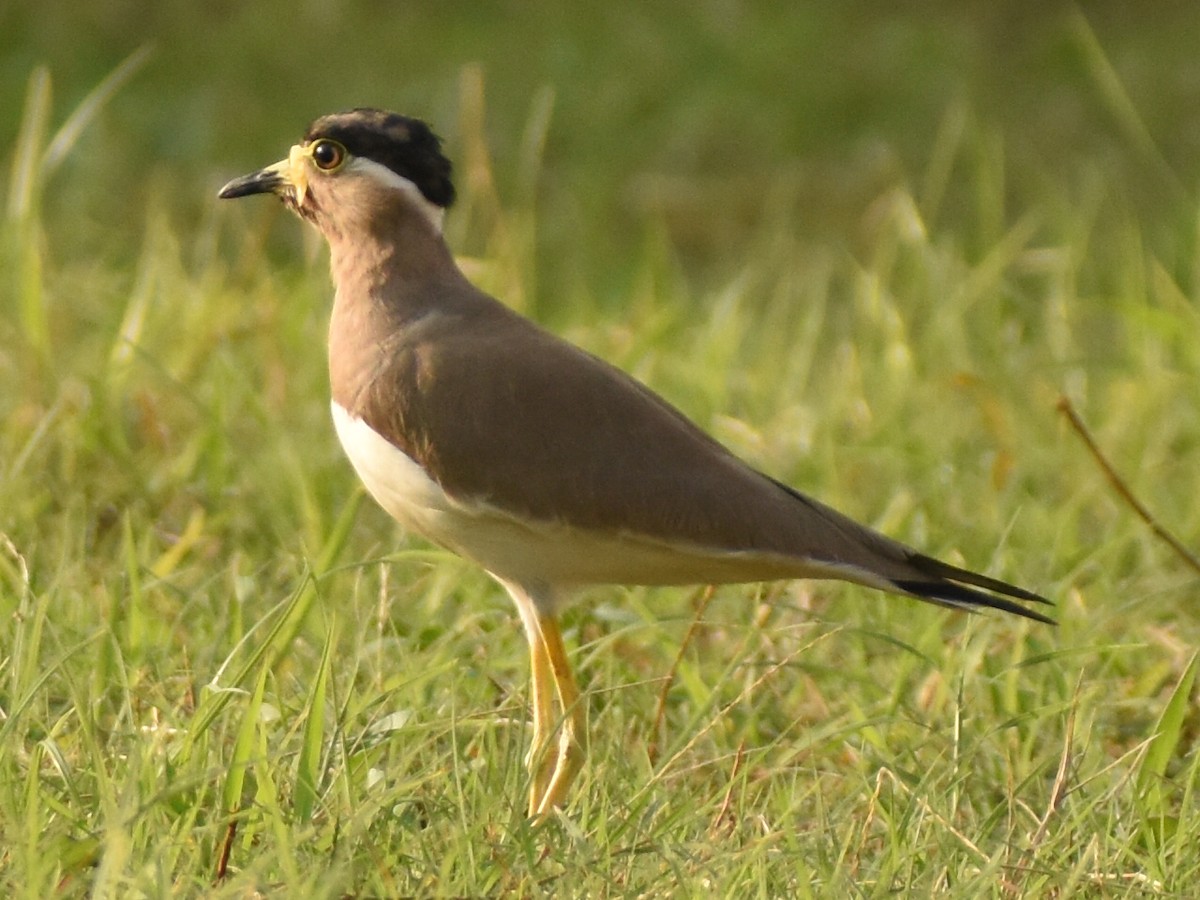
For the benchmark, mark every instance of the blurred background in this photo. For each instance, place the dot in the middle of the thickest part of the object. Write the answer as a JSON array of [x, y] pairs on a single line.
[[868, 245], [703, 119]]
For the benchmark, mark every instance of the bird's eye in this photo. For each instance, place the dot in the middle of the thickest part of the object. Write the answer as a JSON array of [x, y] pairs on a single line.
[[328, 155]]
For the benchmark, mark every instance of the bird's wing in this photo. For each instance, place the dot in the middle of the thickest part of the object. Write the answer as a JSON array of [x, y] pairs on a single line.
[[501, 413]]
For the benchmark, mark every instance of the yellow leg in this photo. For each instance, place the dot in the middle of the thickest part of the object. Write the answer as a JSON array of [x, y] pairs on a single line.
[[552, 769], [572, 739], [540, 761]]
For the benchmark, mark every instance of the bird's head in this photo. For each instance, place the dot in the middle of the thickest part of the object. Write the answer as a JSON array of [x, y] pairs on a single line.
[[356, 170]]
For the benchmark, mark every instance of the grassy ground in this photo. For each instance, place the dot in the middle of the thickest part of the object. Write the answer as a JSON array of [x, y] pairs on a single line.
[[869, 251]]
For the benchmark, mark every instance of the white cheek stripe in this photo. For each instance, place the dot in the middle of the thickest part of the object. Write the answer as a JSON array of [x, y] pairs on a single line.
[[434, 213]]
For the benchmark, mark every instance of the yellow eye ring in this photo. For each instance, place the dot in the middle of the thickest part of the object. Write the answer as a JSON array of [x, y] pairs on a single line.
[[327, 155]]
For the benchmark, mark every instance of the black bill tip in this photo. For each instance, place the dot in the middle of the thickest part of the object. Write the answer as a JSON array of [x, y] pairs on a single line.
[[264, 181]]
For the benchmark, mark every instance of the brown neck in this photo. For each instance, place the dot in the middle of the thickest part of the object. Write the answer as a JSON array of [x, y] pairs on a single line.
[[388, 256], [396, 282]]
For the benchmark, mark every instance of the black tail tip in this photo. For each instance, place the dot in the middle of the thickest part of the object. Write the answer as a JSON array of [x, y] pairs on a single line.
[[947, 593]]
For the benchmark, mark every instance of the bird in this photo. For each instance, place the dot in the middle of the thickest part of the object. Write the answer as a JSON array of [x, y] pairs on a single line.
[[550, 468]]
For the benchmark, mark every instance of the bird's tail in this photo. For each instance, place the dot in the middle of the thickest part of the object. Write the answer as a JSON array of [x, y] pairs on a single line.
[[951, 586]]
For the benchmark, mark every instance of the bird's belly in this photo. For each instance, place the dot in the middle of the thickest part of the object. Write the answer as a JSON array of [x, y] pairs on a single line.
[[527, 551]]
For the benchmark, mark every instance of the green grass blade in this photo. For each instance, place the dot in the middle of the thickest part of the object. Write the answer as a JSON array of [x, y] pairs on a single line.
[[1163, 746], [243, 748], [308, 767], [34, 161], [23, 237], [23, 181], [1120, 105], [328, 557], [220, 692], [279, 639], [134, 606], [89, 109]]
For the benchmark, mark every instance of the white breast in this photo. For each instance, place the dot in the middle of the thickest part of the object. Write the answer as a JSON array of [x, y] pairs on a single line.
[[394, 479]]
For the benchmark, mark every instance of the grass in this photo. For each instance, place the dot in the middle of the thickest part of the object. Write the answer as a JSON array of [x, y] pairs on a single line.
[[204, 625]]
